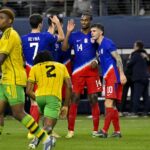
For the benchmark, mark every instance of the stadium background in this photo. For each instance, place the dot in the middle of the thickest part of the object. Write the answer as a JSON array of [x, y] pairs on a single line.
[[125, 22]]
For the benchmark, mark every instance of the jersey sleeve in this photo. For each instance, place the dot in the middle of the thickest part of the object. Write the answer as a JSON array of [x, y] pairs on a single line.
[[66, 74], [7, 43], [51, 38], [111, 46], [31, 77]]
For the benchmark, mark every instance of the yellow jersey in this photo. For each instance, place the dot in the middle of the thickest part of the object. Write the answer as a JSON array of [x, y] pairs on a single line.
[[49, 77], [13, 71]]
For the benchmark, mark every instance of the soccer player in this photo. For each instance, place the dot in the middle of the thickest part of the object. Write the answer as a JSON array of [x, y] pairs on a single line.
[[49, 76], [112, 71], [63, 57], [85, 71], [14, 77], [37, 41]]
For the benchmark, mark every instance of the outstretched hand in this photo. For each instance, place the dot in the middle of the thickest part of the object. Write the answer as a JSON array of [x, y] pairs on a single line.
[[70, 25], [54, 19], [63, 112]]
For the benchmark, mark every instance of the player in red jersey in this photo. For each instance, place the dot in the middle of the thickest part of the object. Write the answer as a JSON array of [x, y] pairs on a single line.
[[85, 70], [112, 71]]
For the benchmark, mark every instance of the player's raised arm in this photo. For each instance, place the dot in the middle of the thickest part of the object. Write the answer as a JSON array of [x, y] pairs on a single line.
[[70, 28], [51, 28], [56, 21], [118, 59]]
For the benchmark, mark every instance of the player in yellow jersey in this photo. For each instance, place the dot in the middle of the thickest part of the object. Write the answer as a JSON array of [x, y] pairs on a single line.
[[49, 77], [14, 78]]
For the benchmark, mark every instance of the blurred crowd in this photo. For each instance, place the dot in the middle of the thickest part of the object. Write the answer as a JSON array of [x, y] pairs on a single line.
[[76, 7], [138, 76]]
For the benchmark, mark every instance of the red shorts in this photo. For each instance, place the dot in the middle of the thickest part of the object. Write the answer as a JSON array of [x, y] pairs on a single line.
[[113, 89], [92, 83]]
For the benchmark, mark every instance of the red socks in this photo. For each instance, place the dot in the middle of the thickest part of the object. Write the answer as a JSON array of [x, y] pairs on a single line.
[[72, 116], [34, 112], [115, 121], [95, 116], [108, 118]]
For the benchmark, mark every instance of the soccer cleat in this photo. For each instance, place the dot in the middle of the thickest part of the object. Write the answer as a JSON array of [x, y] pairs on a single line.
[[34, 143], [70, 134], [30, 136], [95, 134], [102, 134], [54, 134], [116, 135], [50, 144]]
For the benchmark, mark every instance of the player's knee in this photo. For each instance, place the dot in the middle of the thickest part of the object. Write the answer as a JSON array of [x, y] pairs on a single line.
[[75, 98], [18, 115], [93, 99]]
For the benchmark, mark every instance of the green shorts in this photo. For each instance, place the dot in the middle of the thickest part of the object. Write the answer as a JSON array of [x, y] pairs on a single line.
[[49, 106], [13, 94]]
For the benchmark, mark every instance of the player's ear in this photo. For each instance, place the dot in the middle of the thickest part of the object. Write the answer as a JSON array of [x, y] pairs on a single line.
[[41, 25], [10, 21]]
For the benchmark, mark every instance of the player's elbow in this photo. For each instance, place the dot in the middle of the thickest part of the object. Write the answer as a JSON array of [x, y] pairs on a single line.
[[64, 47], [61, 38]]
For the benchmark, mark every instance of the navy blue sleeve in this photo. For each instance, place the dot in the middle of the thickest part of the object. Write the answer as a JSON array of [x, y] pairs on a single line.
[[132, 61], [51, 38], [111, 46]]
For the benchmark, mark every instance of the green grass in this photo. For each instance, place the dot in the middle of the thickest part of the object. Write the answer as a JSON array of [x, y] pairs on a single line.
[[136, 136]]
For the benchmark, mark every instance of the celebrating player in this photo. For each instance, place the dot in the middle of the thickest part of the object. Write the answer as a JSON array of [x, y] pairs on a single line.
[[112, 71], [14, 77], [85, 71], [49, 76], [63, 57], [37, 41]]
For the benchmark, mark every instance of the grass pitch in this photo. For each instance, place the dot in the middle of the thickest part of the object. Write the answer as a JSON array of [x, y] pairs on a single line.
[[136, 136]]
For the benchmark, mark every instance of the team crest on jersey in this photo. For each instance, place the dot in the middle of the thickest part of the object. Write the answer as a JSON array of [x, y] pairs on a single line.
[[85, 40], [56, 45], [102, 51]]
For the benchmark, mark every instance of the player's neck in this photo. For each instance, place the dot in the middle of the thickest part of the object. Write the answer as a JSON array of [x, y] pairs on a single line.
[[85, 31], [35, 30], [100, 39], [3, 30]]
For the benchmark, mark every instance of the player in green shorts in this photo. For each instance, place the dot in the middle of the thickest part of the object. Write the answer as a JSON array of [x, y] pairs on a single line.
[[49, 77], [14, 78]]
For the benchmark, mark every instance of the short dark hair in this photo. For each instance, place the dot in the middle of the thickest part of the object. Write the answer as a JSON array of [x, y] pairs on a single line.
[[51, 12], [87, 13], [99, 26], [9, 12], [50, 22], [139, 44], [35, 20], [42, 57]]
